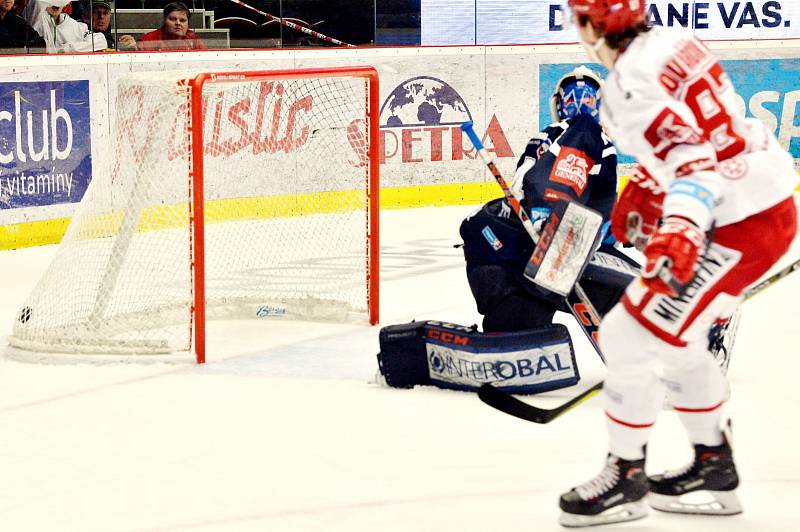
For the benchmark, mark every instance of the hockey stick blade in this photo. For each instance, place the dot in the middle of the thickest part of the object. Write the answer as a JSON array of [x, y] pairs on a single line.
[[510, 405]]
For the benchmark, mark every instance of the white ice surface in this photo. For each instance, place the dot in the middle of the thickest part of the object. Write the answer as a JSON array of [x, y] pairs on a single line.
[[282, 430]]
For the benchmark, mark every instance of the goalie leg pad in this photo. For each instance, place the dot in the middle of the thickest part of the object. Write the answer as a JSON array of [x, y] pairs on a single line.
[[506, 303], [461, 358], [607, 275]]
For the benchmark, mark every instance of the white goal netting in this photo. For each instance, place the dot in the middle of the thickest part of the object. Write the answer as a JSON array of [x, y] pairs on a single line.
[[286, 198]]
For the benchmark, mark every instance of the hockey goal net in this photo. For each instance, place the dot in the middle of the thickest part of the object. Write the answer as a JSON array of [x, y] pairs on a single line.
[[248, 194]]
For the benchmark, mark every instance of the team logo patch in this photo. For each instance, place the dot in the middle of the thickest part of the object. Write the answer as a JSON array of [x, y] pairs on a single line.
[[490, 237], [572, 169], [735, 168]]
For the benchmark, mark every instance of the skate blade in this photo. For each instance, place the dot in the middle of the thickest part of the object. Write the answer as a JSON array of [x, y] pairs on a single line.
[[701, 502], [624, 512]]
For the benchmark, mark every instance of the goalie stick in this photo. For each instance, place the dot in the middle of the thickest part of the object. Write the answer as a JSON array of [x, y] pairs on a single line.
[[509, 404], [512, 200]]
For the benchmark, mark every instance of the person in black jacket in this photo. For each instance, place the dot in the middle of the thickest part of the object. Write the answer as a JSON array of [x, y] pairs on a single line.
[[15, 32], [571, 159]]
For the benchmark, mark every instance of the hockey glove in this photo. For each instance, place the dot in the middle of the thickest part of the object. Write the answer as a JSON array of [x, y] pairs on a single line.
[[672, 256], [636, 214]]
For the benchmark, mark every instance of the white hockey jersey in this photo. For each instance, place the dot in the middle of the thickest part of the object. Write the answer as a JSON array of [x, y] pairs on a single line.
[[69, 35], [669, 103]]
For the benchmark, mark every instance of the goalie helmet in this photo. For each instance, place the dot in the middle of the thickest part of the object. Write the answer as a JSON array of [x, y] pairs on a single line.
[[609, 16], [576, 93]]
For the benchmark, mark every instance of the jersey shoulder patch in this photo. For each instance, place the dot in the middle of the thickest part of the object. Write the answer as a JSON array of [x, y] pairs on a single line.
[[571, 168]]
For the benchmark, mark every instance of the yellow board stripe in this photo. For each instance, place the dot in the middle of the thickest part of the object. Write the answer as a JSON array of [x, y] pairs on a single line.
[[279, 206], [439, 195], [45, 232], [27, 234], [39, 233]]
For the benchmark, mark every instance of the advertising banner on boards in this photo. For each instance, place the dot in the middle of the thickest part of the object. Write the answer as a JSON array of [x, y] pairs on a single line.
[[45, 143], [420, 130]]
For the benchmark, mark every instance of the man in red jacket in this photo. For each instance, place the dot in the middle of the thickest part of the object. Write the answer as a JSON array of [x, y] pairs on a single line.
[[174, 34]]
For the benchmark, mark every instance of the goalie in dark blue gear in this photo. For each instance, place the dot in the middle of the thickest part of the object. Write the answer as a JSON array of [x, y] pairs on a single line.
[[571, 159]]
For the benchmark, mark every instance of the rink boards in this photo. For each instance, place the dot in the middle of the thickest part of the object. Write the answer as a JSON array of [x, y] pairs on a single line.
[[56, 116]]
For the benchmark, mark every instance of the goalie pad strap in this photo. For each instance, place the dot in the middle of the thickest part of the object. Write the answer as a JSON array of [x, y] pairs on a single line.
[[461, 358]]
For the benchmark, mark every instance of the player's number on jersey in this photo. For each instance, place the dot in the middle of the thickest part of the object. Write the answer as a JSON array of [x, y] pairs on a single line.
[[711, 116], [701, 96]]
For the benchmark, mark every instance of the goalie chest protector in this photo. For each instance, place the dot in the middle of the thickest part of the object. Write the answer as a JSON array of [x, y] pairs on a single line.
[[461, 358]]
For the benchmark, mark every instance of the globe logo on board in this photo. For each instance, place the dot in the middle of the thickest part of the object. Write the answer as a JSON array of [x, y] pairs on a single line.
[[420, 122], [424, 101]]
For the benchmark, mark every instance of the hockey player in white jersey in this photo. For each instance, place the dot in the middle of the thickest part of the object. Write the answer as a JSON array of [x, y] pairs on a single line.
[[724, 216]]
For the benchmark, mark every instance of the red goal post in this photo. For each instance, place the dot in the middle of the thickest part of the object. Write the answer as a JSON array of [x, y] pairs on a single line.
[[373, 106], [232, 194]]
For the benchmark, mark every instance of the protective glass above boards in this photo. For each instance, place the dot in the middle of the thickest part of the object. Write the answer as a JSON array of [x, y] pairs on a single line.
[[65, 26], [72, 26]]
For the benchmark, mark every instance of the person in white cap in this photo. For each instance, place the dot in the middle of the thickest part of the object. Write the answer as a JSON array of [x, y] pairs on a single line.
[[61, 33]]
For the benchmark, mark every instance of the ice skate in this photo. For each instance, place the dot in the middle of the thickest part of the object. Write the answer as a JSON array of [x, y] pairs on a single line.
[[705, 486], [614, 496]]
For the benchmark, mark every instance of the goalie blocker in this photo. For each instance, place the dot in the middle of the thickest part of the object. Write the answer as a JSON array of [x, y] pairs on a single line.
[[461, 358], [566, 244]]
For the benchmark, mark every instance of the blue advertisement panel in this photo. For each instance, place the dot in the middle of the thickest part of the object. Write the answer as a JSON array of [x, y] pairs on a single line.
[[45, 143], [769, 88]]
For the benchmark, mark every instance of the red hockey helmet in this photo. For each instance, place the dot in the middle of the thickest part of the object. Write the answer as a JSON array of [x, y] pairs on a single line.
[[609, 16]]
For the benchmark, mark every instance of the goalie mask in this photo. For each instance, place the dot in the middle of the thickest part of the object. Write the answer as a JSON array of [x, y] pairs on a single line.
[[576, 93]]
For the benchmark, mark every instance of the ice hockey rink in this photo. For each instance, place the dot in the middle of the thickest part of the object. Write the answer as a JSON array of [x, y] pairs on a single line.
[[284, 429]]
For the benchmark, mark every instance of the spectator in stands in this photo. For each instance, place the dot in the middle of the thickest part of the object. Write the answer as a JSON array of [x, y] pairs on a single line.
[[15, 32], [101, 22], [174, 33], [61, 33]]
